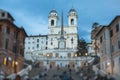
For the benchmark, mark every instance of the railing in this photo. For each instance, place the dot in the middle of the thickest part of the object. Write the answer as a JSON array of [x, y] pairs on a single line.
[[56, 49], [21, 73], [63, 59]]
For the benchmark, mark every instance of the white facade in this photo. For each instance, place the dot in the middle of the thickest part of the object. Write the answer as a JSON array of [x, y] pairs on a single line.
[[34, 43], [61, 42], [90, 49]]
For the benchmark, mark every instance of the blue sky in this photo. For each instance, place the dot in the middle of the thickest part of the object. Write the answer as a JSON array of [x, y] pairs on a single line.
[[33, 14]]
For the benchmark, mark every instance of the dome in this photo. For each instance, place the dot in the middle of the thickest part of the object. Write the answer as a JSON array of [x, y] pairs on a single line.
[[53, 11], [72, 10]]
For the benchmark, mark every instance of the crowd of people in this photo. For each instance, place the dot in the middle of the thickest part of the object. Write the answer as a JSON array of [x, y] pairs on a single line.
[[84, 73]]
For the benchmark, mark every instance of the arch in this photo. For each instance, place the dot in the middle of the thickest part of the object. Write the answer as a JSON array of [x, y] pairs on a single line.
[[52, 22], [72, 21], [69, 55], [57, 55], [71, 65]]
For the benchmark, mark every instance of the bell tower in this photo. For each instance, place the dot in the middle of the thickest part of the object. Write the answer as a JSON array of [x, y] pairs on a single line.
[[53, 18], [72, 17]]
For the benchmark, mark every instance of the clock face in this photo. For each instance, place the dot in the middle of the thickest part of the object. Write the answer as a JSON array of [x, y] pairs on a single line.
[[62, 45]]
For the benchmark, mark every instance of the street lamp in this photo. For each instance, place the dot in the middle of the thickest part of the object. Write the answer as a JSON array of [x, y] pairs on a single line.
[[76, 57], [16, 63], [108, 67]]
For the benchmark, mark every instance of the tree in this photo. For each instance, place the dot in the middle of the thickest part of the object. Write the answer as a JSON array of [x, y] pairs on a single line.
[[82, 47]]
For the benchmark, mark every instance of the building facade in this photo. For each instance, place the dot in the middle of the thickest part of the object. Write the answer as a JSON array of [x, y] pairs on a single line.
[[11, 44], [107, 42], [60, 44], [34, 43]]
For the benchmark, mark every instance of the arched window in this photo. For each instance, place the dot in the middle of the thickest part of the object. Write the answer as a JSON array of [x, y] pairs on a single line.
[[52, 22], [56, 55], [72, 21], [69, 55]]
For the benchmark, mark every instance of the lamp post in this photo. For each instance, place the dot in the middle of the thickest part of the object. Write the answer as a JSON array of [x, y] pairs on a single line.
[[16, 63], [76, 57], [108, 68]]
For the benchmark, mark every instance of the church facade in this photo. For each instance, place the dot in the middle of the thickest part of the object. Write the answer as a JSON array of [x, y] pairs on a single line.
[[59, 47]]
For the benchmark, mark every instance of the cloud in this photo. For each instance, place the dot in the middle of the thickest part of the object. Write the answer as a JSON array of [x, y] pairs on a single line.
[[33, 14], [33, 24]]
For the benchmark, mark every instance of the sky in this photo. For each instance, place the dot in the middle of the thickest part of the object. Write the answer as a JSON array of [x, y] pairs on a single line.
[[33, 14]]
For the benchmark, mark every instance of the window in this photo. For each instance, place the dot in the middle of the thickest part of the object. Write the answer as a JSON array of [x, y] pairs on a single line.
[[52, 22], [0, 27], [119, 44], [51, 43], [111, 33], [32, 47], [112, 48], [72, 40], [15, 35], [28, 47], [72, 21], [6, 43], [14, 49], [101, 39], [56, 55], [37, 40], [7, 30], [3, 14], [117, 27], [46, 42], [37, 45], [51, 39]]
